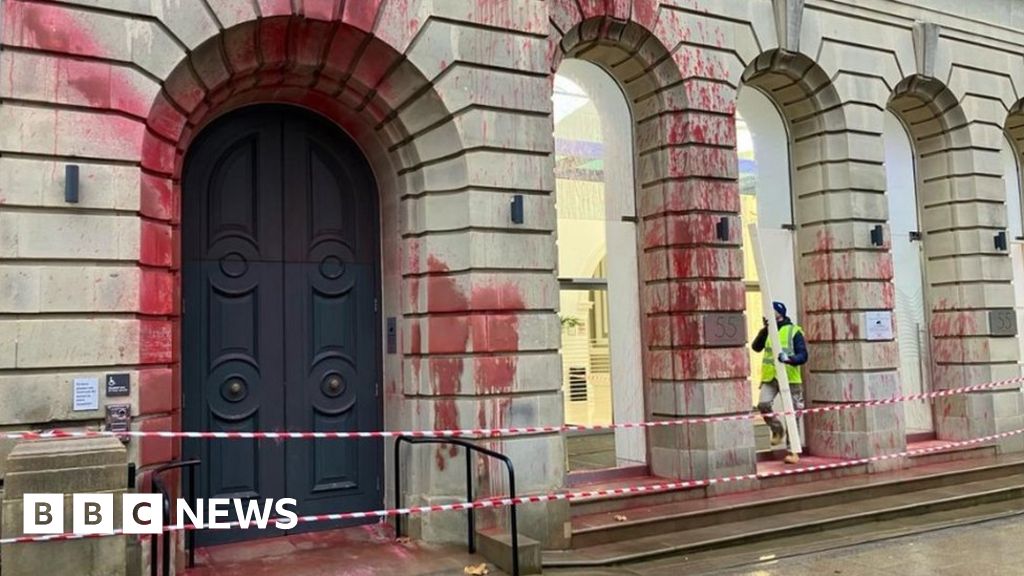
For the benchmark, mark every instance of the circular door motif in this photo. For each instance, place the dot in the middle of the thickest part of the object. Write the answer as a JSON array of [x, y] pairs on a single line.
[[234, 265], [332, 267]]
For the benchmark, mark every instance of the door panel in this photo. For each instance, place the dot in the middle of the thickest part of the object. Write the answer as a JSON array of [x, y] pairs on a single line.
[[912, 332], [334, 293], [280, 330]]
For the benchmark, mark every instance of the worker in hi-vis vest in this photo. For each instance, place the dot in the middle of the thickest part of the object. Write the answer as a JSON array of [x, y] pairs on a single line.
[[793, 355]]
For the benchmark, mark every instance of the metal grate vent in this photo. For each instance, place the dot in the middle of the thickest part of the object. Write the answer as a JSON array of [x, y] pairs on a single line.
[[577, 384]]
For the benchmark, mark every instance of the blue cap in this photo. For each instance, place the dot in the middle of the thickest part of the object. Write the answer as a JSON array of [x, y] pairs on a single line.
[[780, 308]]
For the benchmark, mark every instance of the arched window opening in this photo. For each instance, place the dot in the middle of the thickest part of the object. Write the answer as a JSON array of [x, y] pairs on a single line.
[[911, 315], [1015, 230], [599, 294], [766, 199]]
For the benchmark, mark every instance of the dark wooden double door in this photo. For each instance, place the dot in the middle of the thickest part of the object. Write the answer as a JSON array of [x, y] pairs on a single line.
[[280, 313]]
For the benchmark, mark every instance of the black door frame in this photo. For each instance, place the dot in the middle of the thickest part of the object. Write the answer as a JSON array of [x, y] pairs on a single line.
[[191, 419]]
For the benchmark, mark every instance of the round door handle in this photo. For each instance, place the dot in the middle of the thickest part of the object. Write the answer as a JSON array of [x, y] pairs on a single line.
[[333, 386], [234, 390]]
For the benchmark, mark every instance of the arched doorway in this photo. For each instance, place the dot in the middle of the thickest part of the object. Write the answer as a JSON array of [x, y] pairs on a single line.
[[599, 281], [908, 256], [281, 326]]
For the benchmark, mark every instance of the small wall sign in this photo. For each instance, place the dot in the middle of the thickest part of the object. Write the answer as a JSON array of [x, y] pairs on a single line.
[[86, 395], [118, 384], [1002, 322], [878, 325], [725, 329]]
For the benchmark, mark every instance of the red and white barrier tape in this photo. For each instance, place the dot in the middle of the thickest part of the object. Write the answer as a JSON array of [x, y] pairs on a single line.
[[584, 495], [496, 432]]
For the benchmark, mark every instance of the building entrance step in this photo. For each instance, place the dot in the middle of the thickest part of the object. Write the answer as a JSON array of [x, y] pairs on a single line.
[[634, 534]]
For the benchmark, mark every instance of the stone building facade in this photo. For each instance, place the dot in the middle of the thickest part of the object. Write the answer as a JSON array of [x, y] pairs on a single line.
[[448, 104]]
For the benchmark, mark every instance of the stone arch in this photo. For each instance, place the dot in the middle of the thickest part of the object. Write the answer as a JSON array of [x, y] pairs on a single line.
[[684, 152], [836, 192], [339, 67], [961, 205], [335, 68], [941, 144]]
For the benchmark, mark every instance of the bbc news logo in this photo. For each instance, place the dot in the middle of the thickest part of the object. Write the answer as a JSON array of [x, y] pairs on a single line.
[[143, 514]]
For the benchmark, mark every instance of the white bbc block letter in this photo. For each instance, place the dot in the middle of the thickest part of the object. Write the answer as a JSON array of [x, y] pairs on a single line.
[[43, 514], [92, 513], [142, 514]]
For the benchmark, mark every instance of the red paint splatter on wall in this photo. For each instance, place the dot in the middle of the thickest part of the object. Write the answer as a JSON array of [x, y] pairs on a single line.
[[361, 14], [482, 322]]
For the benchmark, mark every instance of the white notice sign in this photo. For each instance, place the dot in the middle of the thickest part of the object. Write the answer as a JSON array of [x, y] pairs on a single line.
[[86, 394], [878, 324]]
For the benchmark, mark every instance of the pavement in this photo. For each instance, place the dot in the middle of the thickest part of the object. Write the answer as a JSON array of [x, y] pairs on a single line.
[[993, 548], [989, 549]]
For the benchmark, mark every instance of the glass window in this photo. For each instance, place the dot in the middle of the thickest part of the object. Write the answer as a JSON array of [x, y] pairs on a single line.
[[597, 265]]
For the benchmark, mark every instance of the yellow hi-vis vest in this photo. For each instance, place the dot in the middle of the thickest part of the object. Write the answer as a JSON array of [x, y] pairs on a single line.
[[786, 335]]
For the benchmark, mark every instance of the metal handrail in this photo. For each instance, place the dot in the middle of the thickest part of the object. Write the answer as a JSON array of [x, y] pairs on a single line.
[[190, 537], [471, 516]]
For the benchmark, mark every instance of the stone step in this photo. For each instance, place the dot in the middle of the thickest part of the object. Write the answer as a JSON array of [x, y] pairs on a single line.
[[496, 547], [659, 529], [748, 557], [951, 455], [613, 504]]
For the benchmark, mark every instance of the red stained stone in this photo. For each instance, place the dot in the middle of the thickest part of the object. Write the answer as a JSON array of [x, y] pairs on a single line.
[[565, 14], [447, 334], [707, 296], [241, 48], [954, 323], [157, 155], [702, 161], [157, 197], [275, 7], [154, 450], [705, 262], [691, 194], [374, 64], [494, 374], [165, 119], [645, 13], [308, 40], [273, 41], [156, 391], [618, 9], [321, 9], [157, 293], [156, 339], [711, 363], [446, 417], [47, 27], [155, 244], [709, 96], [342, 51], [362, 14]]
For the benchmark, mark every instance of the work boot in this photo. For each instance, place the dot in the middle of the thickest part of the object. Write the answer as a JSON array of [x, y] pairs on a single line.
[[778, 435], [791, 458]]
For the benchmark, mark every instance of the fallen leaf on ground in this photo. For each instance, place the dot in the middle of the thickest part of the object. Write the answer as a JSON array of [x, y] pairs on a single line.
[[403, 540], [620, 518], [476, 570]]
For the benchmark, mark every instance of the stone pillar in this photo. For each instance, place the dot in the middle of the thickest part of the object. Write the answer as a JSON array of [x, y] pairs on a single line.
[[479, 329], [64, 466]]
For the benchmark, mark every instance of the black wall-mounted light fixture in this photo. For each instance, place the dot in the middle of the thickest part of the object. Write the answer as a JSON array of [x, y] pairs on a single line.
[[915, 236], [517, 209], [1000, 240], [71, 183], [877, 239], [722, 229]]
